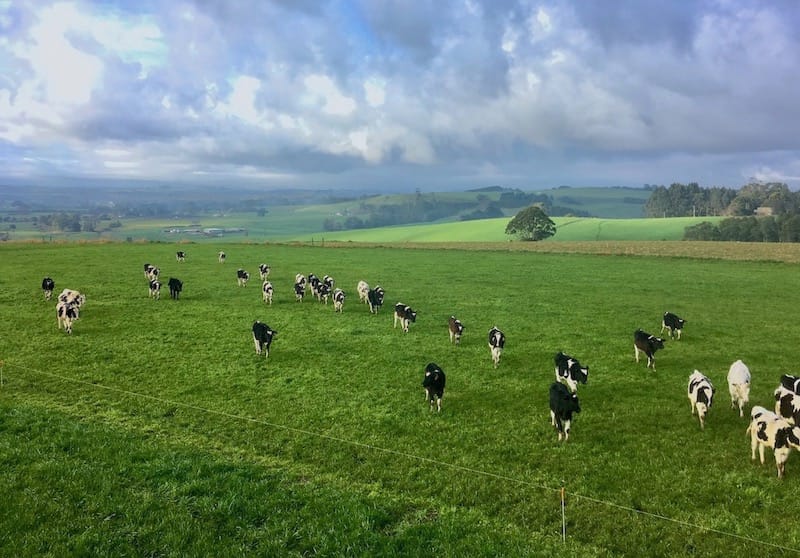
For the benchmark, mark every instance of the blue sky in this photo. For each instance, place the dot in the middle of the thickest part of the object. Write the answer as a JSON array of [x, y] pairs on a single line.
[[397, 95]]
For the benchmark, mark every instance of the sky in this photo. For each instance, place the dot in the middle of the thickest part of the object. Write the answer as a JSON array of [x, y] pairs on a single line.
[[396, 95]]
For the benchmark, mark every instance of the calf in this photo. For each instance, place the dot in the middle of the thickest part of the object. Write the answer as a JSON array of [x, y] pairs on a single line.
[[221, 257], [263, 270], [70, 296], [299, 291], [66, 314], [323, 292], [180, 255], [267, 292], [563, 404], [175, 288], [338, 300], [313, 284], [375, 298], [701, 394], [792, 383], [405, 315], [433, 382], [47, 287], [739, 385], [153, 273], [648, 344], [768, 430], [673, 324], [300, 279], [155, 289], [262, 337], [497, 342], [242, 277], [363, 290], [787, 405], [456, 329], [147, 268], [569, 371]]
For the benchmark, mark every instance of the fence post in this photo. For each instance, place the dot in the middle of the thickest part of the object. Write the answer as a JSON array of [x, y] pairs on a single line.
[[563, 516]]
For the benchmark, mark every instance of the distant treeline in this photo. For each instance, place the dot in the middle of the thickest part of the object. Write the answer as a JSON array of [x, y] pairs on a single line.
[[426, 208], [757, 212]]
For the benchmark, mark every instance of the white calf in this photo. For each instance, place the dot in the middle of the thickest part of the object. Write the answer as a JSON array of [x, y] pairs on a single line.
[[739, 385]]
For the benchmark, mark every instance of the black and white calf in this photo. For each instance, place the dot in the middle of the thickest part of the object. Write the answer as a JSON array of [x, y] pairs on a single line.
[[338, 300], [570, 372], [497, 342], [47, 287], [375, 298], [433, 382], [263, 270], [563, 404], [787, 405], [153, 273], [262, 337], [673, 324], [739, 385], [701, 394], [313, 284], [456, 329], [147, 268], [267, 291], [648, 344], [363, 290], [175, 288], [155, 289], [221, 257], [404, 314], [66, 314], [300, 279], [242, 277], [180, 255], [299, 291], [72, 297], [768, 430], [323, 292], [790, 382]]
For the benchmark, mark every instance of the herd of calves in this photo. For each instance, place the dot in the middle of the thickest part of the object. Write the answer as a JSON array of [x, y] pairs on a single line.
[[778, 430]]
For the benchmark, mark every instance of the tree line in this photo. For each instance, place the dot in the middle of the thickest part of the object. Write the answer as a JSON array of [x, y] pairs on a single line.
[[757, 212]]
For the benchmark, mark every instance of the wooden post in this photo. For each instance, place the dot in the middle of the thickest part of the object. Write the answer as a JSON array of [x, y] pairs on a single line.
[[563, 516]]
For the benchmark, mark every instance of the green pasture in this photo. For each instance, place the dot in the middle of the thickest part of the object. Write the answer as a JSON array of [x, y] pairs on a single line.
[[155, 430]]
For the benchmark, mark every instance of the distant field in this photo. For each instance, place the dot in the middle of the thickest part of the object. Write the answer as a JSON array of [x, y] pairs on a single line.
[[493, 230]]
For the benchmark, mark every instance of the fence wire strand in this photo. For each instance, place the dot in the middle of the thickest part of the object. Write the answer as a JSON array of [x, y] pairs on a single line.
[[410, 456]]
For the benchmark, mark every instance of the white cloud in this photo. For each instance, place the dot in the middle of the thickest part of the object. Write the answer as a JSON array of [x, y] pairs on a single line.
[[322, 89]]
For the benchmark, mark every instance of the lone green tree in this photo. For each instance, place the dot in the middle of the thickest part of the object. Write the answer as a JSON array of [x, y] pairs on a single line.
[[531, 224]]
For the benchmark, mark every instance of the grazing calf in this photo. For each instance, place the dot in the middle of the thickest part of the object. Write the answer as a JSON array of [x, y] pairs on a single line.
[[299, 291], [456, 329], [739, 385], [363, 291], [569, 371], [648, 344], [47, 287], [338, 300], [701, 394], [768, 430], [66, 314], [404, 314], [433, 382], [262, 337], [673, 324], [221, 257], [180, 255], [375, 298], [264, 270], [175, 288], [155, 289], [242, 277], [497, 342], [563, 404], [267, 292]]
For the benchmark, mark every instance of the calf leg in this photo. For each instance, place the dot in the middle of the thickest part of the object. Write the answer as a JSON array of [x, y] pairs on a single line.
[[636, 352]]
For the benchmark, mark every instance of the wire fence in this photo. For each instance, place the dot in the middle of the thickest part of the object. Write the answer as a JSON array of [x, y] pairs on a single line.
[[561, 491]]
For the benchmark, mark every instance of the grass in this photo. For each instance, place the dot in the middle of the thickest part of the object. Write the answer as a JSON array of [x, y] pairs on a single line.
[[155, 430]]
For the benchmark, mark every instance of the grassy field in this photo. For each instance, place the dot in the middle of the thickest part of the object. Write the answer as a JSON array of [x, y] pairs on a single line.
[[155, 430]]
